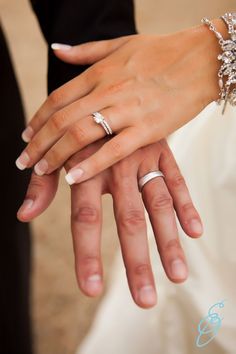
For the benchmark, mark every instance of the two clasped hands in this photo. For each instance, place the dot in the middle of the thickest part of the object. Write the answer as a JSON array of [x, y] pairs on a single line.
[[145, 86]]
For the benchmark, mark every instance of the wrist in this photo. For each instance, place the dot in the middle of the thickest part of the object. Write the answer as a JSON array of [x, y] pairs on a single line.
[[211, 56]]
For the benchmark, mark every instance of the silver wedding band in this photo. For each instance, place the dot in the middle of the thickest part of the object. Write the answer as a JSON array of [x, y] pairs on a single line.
[[99, 119], [148, 177]]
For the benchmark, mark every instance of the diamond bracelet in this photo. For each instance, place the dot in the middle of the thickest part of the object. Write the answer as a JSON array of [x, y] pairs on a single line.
[[227, 71]]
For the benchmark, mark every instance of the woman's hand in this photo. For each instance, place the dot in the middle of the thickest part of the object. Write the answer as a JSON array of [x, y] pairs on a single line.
[[161, 197], [145, 86]]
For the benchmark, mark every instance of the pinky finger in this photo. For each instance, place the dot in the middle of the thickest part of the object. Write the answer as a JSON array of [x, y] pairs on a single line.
[[116, 149]]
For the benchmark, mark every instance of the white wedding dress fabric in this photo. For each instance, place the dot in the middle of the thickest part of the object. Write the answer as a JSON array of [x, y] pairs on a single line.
[[205, 150]]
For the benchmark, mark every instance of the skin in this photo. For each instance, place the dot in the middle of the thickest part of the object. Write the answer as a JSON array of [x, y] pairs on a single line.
[[146, 86], [162, 198]]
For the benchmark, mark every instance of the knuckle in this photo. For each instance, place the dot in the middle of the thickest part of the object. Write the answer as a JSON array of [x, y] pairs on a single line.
[[132, 219], [177, 181], [37, 185], [77, 133], [90, 259], [118, 86], [34, 146], [142, 269], [121, 181], [53, 157], [173, 244], [188, 207], [138, 101], [58, 120], [86, 214], [55, 98], [116, 149], [37, 182], [162, 201]]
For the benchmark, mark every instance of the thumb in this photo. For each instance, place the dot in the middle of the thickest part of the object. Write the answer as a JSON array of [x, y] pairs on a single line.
[[88, 53], [40, 193]]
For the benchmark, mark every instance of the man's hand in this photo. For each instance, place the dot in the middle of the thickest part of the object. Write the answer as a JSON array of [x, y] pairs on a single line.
[[161, 197]]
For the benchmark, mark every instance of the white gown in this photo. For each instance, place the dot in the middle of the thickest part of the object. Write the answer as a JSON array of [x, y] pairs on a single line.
[[206, 152]]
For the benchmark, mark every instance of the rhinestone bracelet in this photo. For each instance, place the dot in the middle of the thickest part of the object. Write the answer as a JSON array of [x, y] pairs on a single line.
[[227, 72]]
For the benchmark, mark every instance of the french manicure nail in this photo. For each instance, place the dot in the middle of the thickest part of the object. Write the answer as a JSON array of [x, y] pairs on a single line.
[[73, 176], [60, 46], [27, 134], [93, 283], [178, 269], [27, 204], [147, 295], [22, 161], [196, 226], [41, 167]]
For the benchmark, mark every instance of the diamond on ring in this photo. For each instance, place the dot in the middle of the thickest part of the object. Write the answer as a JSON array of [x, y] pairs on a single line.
[[99, 119]]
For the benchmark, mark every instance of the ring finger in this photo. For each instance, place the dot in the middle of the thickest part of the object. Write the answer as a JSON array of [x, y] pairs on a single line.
[[58, 140], [81, 134], [159, 205]]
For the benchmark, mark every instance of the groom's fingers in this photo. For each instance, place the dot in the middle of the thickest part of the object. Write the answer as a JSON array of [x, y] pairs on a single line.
[[131, 225], [86, 222], [187, 213], [160, 208], [39, 195]]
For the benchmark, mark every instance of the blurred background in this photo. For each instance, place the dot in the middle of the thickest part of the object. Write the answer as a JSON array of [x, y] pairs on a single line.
[[61, 314]]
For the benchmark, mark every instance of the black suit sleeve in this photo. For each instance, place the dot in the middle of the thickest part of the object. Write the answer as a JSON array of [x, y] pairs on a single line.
[[78, 21]]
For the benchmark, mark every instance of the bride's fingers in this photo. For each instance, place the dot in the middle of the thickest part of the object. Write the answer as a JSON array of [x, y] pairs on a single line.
[[120, 146], [86, 222], [186, 212], [131, 225], [78, 87], [159, 205], [79, 135], [68, 93], [56, 127], [88, 53]]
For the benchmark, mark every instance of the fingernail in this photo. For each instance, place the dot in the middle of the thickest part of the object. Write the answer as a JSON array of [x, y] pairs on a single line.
[[147, 295], [22, 161], [74, 175], [27, 134], [178, 269], [93, 283], [196, 226], [60, 46], [41, 167], [28, 203]]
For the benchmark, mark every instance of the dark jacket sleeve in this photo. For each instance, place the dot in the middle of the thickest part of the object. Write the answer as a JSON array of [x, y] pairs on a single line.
[[78, 21]]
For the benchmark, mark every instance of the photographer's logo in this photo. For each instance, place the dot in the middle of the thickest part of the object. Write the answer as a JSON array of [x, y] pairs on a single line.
[[209, 326]]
